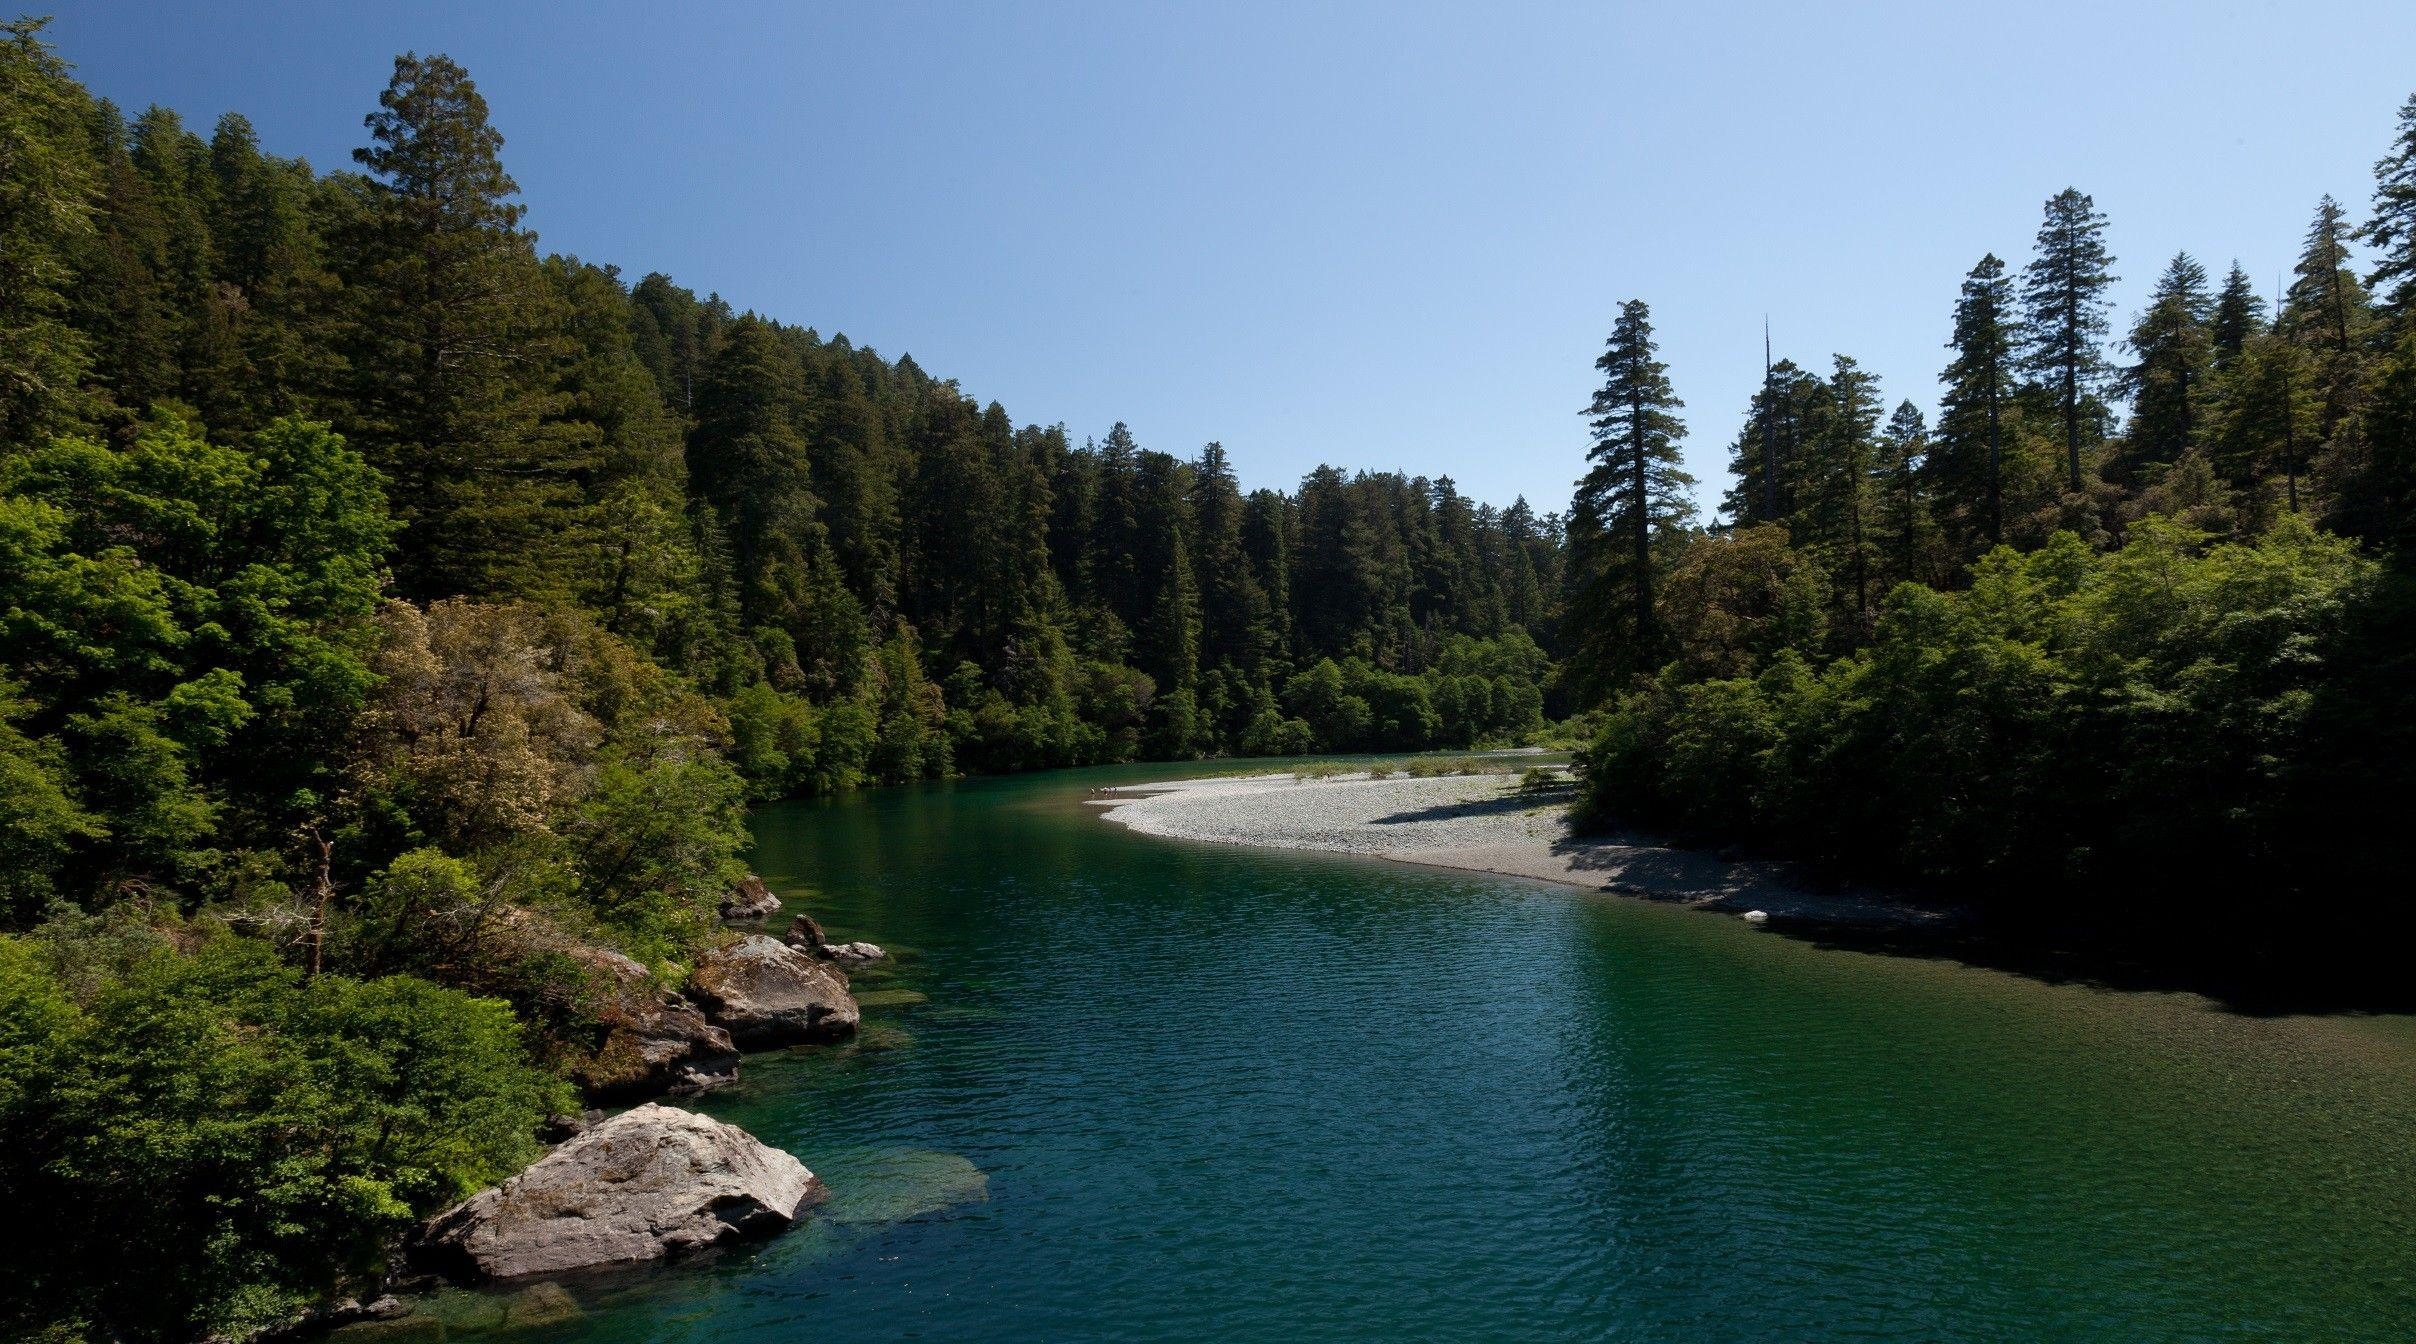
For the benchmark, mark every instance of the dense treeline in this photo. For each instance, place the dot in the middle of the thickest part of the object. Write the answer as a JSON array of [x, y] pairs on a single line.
[[395, 619], [2039, 650]]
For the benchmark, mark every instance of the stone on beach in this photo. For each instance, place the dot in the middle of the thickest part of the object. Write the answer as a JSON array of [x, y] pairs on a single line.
[[648, 1184]]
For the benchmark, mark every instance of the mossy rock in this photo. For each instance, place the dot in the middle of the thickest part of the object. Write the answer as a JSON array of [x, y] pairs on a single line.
[[890, 998], [883, 1036], [540, 1304]]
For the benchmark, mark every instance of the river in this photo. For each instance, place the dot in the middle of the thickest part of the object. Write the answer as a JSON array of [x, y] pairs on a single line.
[[1123, 1088]]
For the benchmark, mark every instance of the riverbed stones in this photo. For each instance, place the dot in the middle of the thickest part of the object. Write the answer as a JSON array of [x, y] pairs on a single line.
[[648, 1184], [765, 993], [749, 898], [655, 1043], [857, 954]]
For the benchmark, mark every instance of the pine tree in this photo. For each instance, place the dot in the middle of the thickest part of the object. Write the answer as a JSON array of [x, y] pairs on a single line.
[[2326, 312], [1903, 532], [46, 214], [1522, 587], [2174, 353], [2064, 317], [2239, 314], [1635, 492], [1167, 628], [1337, 576], [1767, 458], [2392, 230], [1836, 522], [2268, 418], [454, 346], [1266, 534], [1233, 608], [1967, 461]]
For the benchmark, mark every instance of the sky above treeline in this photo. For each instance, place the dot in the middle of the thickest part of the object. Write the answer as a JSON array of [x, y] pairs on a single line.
[[1386, 236]]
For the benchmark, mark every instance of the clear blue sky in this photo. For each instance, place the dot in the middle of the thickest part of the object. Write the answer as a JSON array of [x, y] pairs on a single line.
[[1382, 235]]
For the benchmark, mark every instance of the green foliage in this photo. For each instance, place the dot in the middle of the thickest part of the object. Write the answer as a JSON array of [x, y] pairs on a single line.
[[219, 1140], [2106, 720], [45, 216]]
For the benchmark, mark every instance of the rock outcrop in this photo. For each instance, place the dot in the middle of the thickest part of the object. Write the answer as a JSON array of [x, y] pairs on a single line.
[[647, 1184], [764, 992], [655, 1043], [749, 899]]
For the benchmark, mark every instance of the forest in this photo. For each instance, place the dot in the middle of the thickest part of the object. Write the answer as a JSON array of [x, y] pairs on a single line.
[[2127, 631], [394, 612]]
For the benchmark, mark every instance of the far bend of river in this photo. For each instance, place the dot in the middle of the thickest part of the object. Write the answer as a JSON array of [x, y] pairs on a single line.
[[1243, 1095]]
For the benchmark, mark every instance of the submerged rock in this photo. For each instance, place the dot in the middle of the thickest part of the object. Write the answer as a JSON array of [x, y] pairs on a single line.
[[655, 1043], [648, 1184], [895, 1185], [394, 1330], [749, 898], [764, 992]]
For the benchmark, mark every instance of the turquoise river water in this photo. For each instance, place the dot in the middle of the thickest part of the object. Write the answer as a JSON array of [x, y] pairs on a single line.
[[1122, 1088]]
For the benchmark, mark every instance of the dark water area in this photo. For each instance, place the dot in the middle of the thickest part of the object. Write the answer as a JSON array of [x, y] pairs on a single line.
[[1115, 1087]]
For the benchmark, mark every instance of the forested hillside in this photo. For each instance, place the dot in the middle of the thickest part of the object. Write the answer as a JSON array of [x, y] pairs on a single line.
[[395, 620], [2041, 653]]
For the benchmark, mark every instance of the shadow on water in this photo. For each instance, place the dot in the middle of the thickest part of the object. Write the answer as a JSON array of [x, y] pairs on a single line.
[[2257, 962], [2231, 967]]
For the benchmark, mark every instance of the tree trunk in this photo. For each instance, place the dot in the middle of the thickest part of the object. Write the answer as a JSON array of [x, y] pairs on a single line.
[[1644, 543]]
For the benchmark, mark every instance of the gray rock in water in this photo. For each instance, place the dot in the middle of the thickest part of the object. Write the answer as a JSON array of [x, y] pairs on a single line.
[[654, 1043], [764, 992], [749, 899], [853, 952], [804, 932], [645, 1185]]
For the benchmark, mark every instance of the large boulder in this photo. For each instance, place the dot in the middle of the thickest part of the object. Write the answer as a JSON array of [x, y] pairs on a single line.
[[764, 992], [645, 1185], [749, 899], [655, 1043]]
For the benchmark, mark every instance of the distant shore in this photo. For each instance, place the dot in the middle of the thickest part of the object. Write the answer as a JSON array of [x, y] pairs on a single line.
[[1485, 824]]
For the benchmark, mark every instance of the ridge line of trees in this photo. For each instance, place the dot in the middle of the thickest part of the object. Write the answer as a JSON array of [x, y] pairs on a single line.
[[2045, 652]]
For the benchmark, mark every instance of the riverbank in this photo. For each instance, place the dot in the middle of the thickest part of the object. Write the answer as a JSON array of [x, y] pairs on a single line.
[[1486, 823]]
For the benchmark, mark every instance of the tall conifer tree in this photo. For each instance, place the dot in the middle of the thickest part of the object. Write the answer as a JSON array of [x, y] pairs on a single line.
[[2392, 230], [2238, 314], [455, 345], [1636, 490], [1968, 459], [2173, 353], [2325, 310], [2064, 316]]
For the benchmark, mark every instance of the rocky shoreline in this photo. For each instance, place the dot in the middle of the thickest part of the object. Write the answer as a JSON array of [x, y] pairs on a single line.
[[1487, 823], [654, 1182]]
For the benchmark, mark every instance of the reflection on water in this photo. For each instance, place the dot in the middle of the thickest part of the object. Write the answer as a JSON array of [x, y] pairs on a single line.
[[1136, 1089]]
